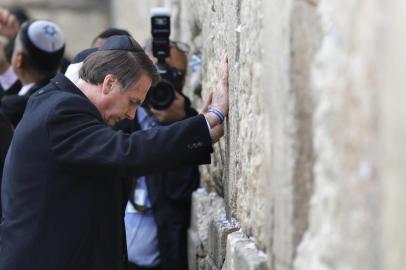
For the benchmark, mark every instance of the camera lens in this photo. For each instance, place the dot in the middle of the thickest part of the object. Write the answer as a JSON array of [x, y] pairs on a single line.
[[161, 96]]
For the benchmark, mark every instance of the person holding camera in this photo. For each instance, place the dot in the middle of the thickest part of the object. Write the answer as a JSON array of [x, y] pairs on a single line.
[[63, 193], [158, 213]]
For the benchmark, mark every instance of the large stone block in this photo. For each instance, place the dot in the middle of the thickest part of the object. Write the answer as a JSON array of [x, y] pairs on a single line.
[[344, 217], [205, 206], [242, 254], [219, 229], [392, 133], [209, 264]]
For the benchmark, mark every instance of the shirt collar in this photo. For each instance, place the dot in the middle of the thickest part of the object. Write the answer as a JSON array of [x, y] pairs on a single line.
[[144, 119], [8, 78], [24, 90]]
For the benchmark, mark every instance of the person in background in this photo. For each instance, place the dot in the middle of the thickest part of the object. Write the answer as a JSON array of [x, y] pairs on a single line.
[[37, 54], [158, 213], [9, 82], [101, 38], [12, 18]]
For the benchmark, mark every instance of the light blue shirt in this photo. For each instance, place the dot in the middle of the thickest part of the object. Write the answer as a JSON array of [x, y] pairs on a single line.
[[141, 229]]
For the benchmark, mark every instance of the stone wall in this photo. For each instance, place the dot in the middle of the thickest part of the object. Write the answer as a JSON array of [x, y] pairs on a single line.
[[309, 171]]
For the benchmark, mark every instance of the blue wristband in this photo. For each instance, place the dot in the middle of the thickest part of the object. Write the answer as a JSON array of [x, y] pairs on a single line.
[[218, 113]]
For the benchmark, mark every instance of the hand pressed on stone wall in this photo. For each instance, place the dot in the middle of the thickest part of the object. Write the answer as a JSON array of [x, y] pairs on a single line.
[[220, 92], [218, 100], [9, 24]]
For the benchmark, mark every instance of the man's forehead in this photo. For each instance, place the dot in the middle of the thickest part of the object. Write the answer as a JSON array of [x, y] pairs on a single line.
[[141, 86]]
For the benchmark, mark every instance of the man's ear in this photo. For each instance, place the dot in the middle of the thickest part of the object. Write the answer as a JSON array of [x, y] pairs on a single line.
[[20, 60], [108, 83]]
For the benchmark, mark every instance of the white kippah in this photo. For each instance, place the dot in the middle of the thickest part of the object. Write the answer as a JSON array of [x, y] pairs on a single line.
[[46, 36]]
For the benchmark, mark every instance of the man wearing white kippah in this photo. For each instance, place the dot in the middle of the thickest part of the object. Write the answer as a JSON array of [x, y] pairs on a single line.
[[38, 51]]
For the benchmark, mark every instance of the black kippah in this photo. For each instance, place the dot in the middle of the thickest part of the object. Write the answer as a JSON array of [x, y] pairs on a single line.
[[81, 56], [121, 43]]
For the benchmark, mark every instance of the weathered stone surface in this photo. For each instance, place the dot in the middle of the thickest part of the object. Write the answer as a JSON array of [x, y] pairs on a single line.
[[257, 194], [219, 229], [242, 254], [205, 206], [345, 216], [392, 134], [209, 264]]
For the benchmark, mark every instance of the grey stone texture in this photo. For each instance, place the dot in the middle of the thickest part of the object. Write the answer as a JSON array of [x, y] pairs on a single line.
[[345, 216], [267, 155], [391, 131], [310, 165], [219, 230], [242, 254], [205, 206]]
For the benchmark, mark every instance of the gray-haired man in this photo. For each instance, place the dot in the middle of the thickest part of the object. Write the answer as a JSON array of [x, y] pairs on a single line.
[[63, 193]]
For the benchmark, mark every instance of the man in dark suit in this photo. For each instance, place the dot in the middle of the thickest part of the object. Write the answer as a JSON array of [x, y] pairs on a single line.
[[63, 197]]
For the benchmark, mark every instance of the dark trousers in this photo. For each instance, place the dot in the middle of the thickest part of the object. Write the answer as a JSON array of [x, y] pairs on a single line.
[[132, 266]]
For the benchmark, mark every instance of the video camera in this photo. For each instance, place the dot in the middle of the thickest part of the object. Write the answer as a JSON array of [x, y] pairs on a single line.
[[162, 95]]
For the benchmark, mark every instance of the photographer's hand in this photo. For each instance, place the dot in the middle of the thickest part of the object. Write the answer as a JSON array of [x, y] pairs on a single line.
[[9, 24], [173, 113]]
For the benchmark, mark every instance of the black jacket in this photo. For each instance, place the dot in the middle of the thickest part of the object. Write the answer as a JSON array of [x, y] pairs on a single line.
[[13, 90], [6, 133], [170, 195], [62, 193], [13, 106]]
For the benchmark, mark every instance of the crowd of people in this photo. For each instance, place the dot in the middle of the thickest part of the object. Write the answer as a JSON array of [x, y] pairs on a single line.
[[93, 176]]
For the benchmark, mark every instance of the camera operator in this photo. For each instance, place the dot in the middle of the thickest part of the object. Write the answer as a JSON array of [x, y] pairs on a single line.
[[158, 213]]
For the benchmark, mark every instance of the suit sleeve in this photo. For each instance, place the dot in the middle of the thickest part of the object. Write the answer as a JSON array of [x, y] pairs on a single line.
[[80, 140]]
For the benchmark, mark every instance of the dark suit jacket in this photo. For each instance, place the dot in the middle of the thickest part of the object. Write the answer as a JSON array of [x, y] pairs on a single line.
[[13, 90], [62, 191], [5, 138], [170, 195], [13, 106]]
